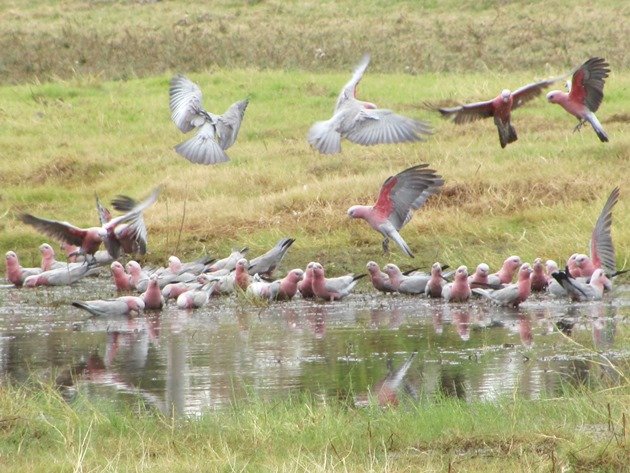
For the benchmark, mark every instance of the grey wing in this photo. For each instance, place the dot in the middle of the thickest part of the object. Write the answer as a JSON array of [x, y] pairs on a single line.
[[602, 248], [185, 103], [135, 213], [524, 94], [104, 214], [349, 90], [203, 148], [379, 126], [594, 72], [229, 123], [340, 283], [506, 295], [469, 112]]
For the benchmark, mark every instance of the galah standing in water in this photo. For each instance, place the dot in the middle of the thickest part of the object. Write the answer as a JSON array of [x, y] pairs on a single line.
[[125, 305], [90, 239], [459, 289], [62, 276], [265, 265], [400, 196], [216, 132], [539, 278], [48, 258], [506, 273], [284, 289], [581, 291], [586, 94], [362, 122], [242, 279], [412, 285], [513, 294], [16, 273], [139, 278], [122, 280], [174, 290], [193, 299], [152, 297], [380, 280], [305, 286], [333, 289], [500, 108], [436, 282], [553, 287]]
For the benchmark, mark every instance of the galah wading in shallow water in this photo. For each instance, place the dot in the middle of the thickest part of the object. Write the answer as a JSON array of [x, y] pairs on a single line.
[[380, 280], [15, 273], [48, 258], [400, 196], [436, 282], [332, 289], [513, 294], [500, 108], [89, 239], [125, 305], [215, 134], [539, 278], [581, 291], [459, 289], [586, 94], [265, 265], [413, 284], [506, 273], [305, 286], [362, 122]]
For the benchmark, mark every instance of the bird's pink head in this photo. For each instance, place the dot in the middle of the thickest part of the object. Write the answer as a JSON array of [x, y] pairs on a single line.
[[174, 264], [392, 270], [553, 96], [318, 271], [372, 267], [358, 211], [482, 269], [46, 250], [241, 265], [461, 273], [436, 269], [133, 267], [295, 275], [524, 272], [599, 278], [505, 95], [135, 304], [11, 257], [581, 260], [551, 266], [538, 266], [512, 263]]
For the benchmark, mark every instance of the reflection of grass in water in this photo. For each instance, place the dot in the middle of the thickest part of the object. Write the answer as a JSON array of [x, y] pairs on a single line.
[[582, 430]]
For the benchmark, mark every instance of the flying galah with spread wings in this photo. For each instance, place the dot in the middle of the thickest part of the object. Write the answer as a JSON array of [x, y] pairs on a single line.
[[500, 108], [90, 239], [585, 95], [216, 132], [362, 122], [400, 195]]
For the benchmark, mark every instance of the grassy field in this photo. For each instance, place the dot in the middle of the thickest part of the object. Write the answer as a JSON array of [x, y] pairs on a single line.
[[579, 432]]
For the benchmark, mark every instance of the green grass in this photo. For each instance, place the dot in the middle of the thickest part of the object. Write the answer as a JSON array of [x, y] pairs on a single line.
[[581, 431]]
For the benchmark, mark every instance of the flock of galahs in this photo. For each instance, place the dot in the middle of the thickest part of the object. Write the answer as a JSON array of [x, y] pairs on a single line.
[[194, 284]]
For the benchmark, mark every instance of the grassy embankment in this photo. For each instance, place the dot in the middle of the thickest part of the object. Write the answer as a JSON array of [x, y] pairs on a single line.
[[580, 432]]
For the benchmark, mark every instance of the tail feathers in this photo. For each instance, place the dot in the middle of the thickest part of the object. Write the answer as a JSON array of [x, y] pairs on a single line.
[[597, 126], [482, 292], [507, 134], [401, 243], [356, 278], [86, 307], [325, 138]]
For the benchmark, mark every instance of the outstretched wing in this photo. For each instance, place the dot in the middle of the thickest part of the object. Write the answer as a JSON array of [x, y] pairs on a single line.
[[104, 215], [203, 148], [406, 192], [587, 85], [377, 126], [185, 103], [63, 231], [350, 89], [468, 112], [602, 249], [229, 123], [528, 92]]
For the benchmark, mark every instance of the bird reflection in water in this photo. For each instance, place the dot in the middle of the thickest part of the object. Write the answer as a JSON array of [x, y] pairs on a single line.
[[387, 391]]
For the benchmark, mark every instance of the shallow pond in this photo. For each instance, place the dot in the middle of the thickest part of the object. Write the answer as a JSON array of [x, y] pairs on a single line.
[[188, 361]]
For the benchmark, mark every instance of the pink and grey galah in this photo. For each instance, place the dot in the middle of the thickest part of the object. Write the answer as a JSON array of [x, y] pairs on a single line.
[[125, 305], [380, 280], [139, 278], [586, 94], [581, 291], [122, 280], [266, 264], [62, 276], [362, 122], [513, 294], [399, 197], [152, 297], [193, 299], [89, 239], [284, 289], [333, 289], [506, 274], [229, 262], [436, 282], [305, 286], [458, 290], [413, 284], [539, 277], [215, 134], [15, 273], [500, 108], [48, 258]]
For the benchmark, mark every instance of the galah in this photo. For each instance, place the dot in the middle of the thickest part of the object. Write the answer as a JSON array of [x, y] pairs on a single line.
[[62, 276], [216, 132], [500, 108], [436, 282], [399, 197], [480, 278], [284, 289], [459, 289], [586, 94], [513, 294], [333, 289], [261, 289], [506, 273], [362, 122], [15, 273], [553, 287], [388, 389], [539, 278], [139, 278], [48, 258], [242, 279], [581, 291], [125, 305], [90, 239], [152, 297], [229, 262], [412, 285], [379, 279], [122, 280], [132, 238], [266, 264], [174, 290], [193, 299], [175, 272], [305, 286]]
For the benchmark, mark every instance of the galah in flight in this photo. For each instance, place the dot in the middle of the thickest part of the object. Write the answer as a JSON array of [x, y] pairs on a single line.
[[362, 122], [216, 132], [400, 196], [585, 95], [90, 239], [500, 108]]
